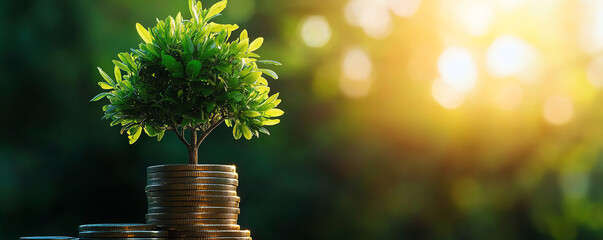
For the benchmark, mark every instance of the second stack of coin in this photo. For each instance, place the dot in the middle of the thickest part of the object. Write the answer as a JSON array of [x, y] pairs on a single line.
[[195, 201], [122, 231]]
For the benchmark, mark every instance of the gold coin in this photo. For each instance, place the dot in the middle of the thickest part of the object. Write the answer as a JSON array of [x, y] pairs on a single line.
[[194, 204], [194, 210], [191, 215], [199, 221], [204, 227], [198, 180], [212, 233], [124, 238], [191, 193], [123, 234], [215, 238], [190, 186], [117, 227], [193, 174], [192, 167], [194, 198]]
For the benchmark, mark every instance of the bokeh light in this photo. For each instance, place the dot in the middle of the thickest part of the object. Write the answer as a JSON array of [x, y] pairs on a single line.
[[372, 16], [508, 55], [404, 8], [509, 96], [445, 95], [558, 110], [594, 72], [315, 31], [457, 68], [356, 73], [472, 16]]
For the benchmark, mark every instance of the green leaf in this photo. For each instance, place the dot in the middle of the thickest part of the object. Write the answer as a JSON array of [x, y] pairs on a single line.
[[193, 68], [99, 96], [151, 131], [171, 64], [243, 34], [127, 58], [270, 62], [187, 44], [275, 112], [257, 43], [246, 132], [134, 133], [271, 122], [207, 91], [193, 9], [121, 66], [251, 114], [236, 131], [144, 34], [216, 8], [210, 106], [264, 130], [270, 73], [104, 85], [117, 73], [160, 135], [252, 77], [106, 77], [236, 96]]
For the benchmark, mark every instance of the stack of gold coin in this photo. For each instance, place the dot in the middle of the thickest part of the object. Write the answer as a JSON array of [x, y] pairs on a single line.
[[121, 231], [195, 201]]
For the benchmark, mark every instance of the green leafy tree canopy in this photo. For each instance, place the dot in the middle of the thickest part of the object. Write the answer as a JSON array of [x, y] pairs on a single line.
[[187, 76]]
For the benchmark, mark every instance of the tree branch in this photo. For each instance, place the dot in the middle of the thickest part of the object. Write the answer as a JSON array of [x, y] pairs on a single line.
[[180, 136], [204, 135]]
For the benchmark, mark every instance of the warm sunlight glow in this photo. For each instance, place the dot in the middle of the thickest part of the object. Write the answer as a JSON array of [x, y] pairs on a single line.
[[445, 95], [315, 31], [558, 110], [508, 97], [356, 73], [457, 68], [372, 16], [591, 34], [472, 16], [508, 55], [357, 65], [594, 72], [404, 8]]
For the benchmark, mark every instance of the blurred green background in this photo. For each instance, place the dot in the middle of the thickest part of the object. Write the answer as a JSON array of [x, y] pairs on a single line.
[[405, 119]]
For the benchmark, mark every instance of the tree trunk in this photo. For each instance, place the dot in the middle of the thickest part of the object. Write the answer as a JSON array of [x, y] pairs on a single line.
[[192, 155], [192, 148]]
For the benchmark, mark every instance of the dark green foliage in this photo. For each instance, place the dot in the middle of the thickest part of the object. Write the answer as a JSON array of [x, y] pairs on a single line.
[[187, 75]]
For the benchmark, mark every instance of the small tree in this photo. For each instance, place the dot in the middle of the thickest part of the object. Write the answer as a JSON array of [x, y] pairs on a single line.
[[187, 76]]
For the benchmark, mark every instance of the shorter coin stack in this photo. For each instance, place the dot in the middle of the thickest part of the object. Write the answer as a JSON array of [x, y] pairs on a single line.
[[47, 238], [121, 232], [196, 201]]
